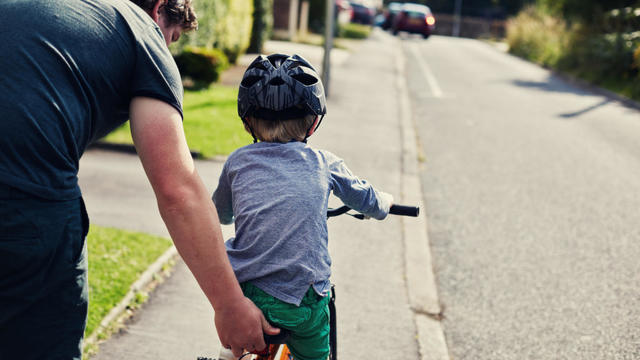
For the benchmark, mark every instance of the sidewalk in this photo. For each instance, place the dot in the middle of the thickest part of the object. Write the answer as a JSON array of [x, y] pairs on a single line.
[[378, 316]]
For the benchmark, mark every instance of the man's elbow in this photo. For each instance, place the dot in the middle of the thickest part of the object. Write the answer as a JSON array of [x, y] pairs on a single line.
[[175, 197]]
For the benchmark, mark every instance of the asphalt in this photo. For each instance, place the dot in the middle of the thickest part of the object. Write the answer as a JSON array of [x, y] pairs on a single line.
[[386, 297], [531, 186]]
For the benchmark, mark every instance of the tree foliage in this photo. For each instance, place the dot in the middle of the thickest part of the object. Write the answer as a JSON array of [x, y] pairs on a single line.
[[222, 24], [584, 10], [262, 24]]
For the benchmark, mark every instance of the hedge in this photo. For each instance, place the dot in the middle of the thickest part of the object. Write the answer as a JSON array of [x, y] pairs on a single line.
[[203, 66]]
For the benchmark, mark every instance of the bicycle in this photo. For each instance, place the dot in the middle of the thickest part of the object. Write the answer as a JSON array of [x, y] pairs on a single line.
[[276, 344]]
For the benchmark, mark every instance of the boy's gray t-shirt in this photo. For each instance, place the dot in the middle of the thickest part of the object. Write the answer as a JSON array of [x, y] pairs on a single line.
[[278, 194]]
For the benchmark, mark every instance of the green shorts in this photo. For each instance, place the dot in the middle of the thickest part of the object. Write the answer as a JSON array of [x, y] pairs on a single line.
[[308, 323]]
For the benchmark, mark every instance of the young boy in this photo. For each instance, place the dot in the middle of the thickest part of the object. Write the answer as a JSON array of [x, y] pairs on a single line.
[[277, 191]]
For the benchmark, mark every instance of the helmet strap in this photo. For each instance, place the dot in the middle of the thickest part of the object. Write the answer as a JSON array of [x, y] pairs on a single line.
[[314, 129]]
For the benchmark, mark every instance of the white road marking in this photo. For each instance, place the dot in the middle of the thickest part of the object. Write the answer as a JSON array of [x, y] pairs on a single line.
[[426, 72]]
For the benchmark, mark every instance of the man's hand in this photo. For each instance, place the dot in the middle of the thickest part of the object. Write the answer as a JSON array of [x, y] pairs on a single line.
[[237, 326]]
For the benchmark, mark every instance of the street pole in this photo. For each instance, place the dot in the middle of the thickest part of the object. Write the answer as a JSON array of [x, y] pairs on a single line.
[[328, 44], [457, 18]]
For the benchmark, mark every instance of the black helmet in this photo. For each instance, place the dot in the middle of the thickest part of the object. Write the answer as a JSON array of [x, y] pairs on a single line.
[[280, 87]]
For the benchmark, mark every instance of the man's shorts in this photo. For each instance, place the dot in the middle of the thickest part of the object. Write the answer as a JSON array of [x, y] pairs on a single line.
[[309, 322], [43, 277]]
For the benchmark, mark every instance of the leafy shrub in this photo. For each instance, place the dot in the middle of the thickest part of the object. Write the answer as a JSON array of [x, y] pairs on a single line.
[[537, 36], [203, 66], [354, 31]]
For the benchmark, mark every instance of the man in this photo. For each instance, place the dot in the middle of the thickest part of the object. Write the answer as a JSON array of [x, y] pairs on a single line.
[[70, 72]]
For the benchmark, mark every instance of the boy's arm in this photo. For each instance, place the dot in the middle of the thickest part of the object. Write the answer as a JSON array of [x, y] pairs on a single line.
[[222, 198], [358, 194], [192, 221]]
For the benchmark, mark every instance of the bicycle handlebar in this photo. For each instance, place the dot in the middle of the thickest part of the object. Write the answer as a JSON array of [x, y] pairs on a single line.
[[280, 338], [404, 210], [394, 210]]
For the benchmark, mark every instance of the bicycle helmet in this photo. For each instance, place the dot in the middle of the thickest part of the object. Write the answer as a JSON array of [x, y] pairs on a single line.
[[281, 87]]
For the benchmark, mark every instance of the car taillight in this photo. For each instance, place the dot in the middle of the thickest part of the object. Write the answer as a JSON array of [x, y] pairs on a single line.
[[431, 20]]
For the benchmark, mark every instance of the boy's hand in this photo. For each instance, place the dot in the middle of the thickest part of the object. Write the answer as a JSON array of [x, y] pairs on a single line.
[[241, 326]]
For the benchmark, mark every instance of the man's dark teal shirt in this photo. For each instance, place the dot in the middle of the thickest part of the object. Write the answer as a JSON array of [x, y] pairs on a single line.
[[68, 72]]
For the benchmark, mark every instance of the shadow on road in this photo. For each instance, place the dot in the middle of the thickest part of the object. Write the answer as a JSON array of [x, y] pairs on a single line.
[[585, 110], [554, 84]]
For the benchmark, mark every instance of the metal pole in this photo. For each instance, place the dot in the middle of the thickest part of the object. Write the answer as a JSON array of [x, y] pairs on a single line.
[[456, 18], [328, 44]]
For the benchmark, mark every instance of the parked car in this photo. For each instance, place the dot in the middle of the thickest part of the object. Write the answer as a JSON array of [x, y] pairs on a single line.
[[389, 14], [416, 19], [362, 13]]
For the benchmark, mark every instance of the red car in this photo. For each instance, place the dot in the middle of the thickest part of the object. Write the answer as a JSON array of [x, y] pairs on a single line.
[[415, 19]]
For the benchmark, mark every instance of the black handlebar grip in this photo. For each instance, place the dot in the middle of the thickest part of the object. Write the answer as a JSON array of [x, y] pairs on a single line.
[[280, 338], [404, 210]]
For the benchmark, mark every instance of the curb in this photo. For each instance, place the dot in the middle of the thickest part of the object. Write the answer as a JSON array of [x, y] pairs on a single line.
[[143, 281], [421, 284], [129, 149], [583, 84]]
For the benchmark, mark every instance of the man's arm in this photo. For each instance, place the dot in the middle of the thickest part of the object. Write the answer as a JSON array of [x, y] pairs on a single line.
[[191, 219]]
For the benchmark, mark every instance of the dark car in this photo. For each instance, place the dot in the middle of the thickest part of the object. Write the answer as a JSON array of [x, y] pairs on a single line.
[[362, 14], [389, 14], [415, 19]]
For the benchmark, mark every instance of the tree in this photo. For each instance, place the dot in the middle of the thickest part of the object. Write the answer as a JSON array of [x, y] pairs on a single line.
[[262, 24], [584, 10]]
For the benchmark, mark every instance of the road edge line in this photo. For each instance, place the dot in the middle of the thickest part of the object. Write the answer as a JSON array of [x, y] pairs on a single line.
[[421, 284]]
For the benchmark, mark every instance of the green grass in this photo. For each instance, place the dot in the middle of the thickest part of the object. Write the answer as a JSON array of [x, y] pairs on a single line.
[[116, 259], [354, 31], [211, 123]]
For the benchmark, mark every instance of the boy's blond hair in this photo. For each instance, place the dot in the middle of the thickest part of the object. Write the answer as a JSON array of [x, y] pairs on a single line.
[[281, 131]]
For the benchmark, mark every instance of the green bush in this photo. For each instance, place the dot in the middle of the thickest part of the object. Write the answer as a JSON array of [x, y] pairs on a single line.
[[262, 25], [537, 36], [203, 66], [222, 24], [604, 51], [354, 31]]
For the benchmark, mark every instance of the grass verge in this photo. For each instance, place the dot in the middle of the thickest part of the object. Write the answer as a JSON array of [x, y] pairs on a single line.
[[211, 122], [117, 258]]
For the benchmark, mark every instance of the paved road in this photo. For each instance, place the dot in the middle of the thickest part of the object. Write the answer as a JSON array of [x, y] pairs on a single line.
[[532, 197], [374, 317]]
